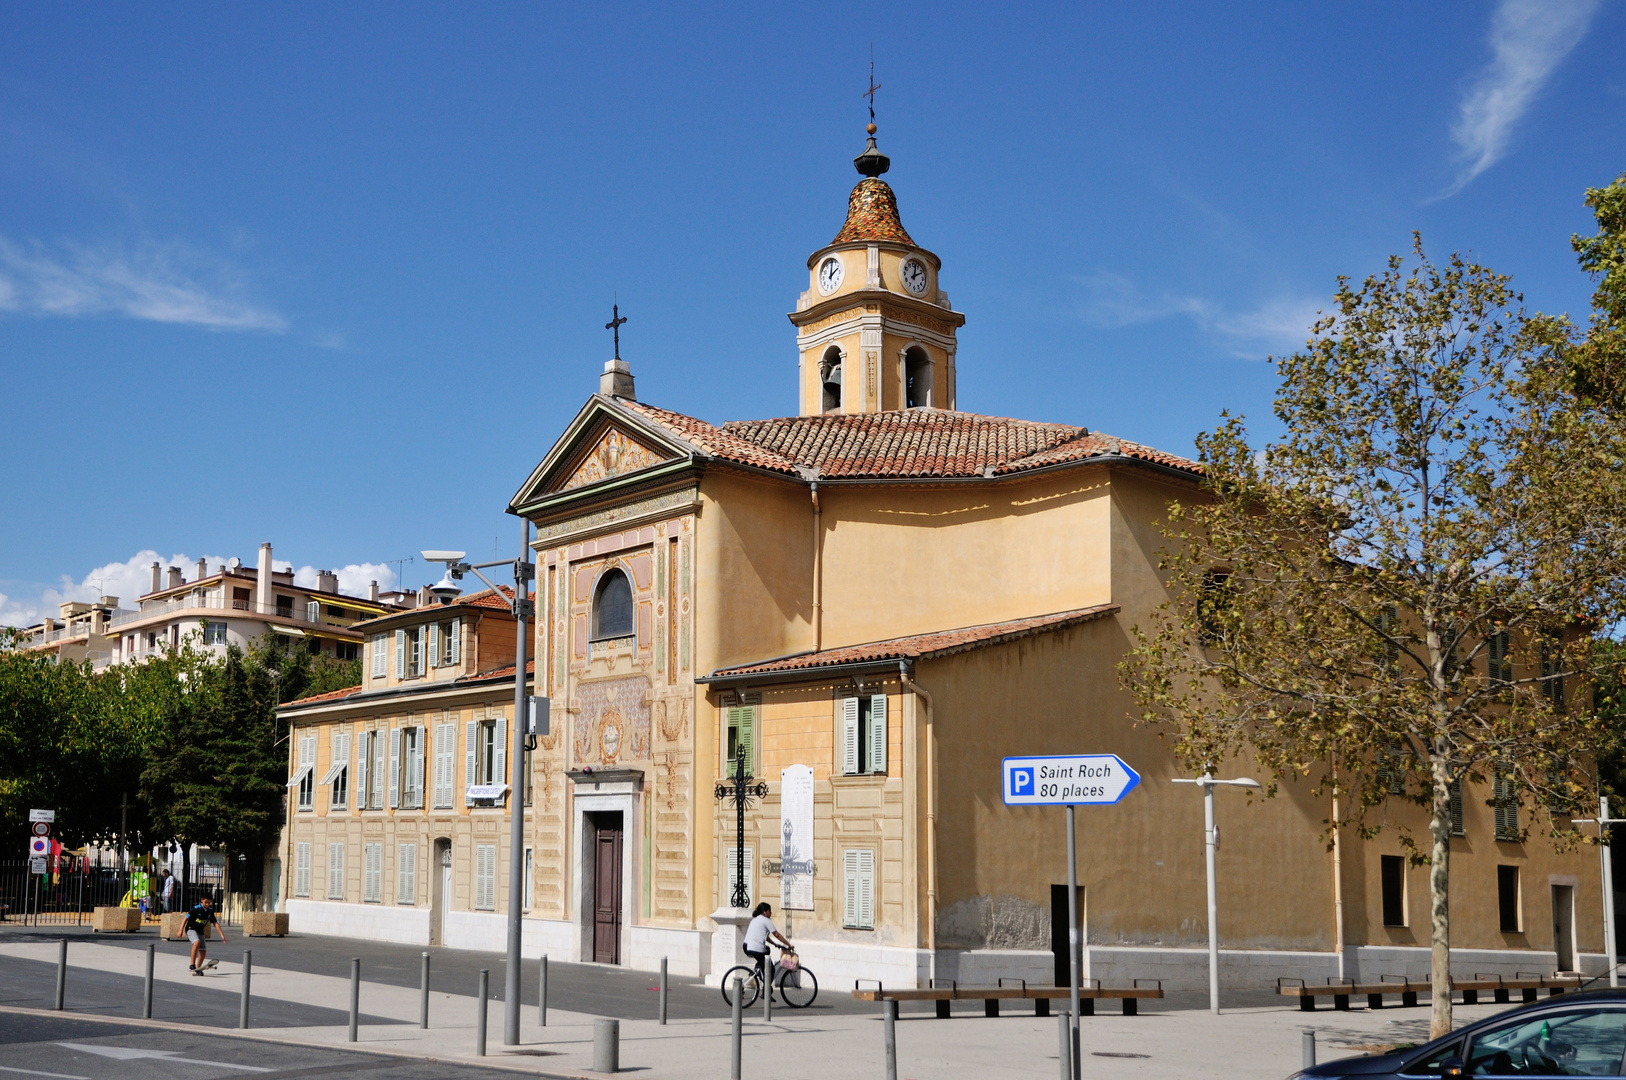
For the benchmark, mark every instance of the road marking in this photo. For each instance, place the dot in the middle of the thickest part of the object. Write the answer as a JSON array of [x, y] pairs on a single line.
[[132, 1053], [36, 1072]]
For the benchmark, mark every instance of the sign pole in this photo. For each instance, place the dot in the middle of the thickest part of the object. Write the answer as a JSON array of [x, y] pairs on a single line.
[[1074, 945], [1213, 901]]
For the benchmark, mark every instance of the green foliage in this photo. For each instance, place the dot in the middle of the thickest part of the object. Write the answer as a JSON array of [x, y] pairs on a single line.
[[1440, 487], [1598, 360]]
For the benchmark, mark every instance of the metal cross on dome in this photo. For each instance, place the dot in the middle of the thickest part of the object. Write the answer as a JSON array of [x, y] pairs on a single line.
[[873, 86], [741, 790], [615, 324]]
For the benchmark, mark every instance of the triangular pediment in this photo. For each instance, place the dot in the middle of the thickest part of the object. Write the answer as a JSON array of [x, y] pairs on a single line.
[[603, 444]]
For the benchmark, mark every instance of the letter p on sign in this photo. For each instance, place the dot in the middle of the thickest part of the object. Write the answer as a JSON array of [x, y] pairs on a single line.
[[1021, 781]]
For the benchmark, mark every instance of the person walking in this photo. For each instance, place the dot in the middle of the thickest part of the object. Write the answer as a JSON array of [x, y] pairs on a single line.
[[166, 892], [198, 920], [757, 935]]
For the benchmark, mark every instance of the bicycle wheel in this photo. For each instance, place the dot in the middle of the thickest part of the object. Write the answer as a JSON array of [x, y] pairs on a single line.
[[798, 988], [751, 988]]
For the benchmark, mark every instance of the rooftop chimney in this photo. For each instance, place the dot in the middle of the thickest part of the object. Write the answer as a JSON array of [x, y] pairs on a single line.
[[425, 597], [157, 578], [111, 603], [262, 588], [175, 578], [372, 591], [203, 569], [327, 581], [617, 380]]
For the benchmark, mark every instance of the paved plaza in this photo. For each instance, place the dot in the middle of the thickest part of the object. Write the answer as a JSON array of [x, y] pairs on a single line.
[[296, 1007]]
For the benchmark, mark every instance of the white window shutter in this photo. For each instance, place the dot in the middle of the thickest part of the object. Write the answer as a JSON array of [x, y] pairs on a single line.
[[849, 735], [434, 644], [395, 767], [377, 799], [415, 766], [335, 871], [400, 654], [443, 764], [469, 748], [849, 887], [499, 773], [455, 650], [364, 753], [302, 868], [877, 733], [406, 867], [378, 656], [307, 751], [866, 889]]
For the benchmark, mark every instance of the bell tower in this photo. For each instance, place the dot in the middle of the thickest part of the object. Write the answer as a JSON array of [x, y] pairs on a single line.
[[874, 329]]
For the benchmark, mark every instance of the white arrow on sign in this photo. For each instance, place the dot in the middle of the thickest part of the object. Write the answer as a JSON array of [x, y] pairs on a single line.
[[1067, 780]]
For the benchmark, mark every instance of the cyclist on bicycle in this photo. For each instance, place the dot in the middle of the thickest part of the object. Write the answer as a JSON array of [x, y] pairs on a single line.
[[757, 936]]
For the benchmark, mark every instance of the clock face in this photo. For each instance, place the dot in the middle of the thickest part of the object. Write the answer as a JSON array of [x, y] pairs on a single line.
[[913, 273], [830, 275]]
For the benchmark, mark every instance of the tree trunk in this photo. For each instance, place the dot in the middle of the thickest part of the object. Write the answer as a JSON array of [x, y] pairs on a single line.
[[1439, 881]]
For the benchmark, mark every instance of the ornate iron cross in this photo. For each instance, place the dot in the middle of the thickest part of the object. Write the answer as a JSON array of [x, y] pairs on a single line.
[[741, 790], [615, 324]]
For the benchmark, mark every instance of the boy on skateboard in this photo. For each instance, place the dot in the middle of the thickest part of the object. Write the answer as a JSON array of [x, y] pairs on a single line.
[[198, 921]]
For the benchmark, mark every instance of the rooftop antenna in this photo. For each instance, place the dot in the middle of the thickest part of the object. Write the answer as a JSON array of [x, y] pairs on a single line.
[[615, 323], [400, 583]]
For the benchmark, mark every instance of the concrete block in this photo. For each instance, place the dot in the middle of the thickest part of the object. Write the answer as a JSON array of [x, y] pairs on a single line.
[[173, 927], [265, 924], [116, 920]]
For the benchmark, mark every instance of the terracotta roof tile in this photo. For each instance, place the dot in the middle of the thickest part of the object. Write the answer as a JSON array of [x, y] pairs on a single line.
[[331, 695], [872, 214], [923, 443], [938, 643]]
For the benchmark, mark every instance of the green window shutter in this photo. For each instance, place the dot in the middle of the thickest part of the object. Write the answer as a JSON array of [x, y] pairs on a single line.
[[849, 736], [741, 738], [877, 733]]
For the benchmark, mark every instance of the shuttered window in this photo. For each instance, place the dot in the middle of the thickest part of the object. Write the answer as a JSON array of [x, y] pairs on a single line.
[[1457, 824], [445, 750], [379, 652], [1499, 665], [863, 735], [485, 877], [1505, 796], [400, 654], [455, 649], [364, 758], [338, 773], [742, 738], [1552, 672], [302, 868], [307, 767], [372, 878], [335, 871], [470, 749], [406, 873], [434, 644], [858, 889], [375, 798], [412, 768], [395, 767], [499, 752]]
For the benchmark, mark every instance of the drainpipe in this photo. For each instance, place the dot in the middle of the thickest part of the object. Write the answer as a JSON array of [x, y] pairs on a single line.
[[818, 570], [931, 812]]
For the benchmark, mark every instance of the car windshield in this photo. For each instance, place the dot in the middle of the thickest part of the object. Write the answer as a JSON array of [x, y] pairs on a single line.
[[1589, 1043]]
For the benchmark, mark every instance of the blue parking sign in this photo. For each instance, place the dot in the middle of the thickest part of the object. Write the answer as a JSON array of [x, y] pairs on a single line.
[[1067, 780]]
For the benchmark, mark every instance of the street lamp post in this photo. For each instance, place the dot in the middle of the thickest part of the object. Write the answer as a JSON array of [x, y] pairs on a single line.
[[522, 608], [1604, 821], [1211, 843]]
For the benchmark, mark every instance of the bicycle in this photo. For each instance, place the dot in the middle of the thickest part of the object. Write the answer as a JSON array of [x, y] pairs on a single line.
[[797, 986]]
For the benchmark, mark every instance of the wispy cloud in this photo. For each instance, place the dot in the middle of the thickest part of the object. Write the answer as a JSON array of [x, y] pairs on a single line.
[[1528, 39], [1113, 301], [131, 578], [167, 283]]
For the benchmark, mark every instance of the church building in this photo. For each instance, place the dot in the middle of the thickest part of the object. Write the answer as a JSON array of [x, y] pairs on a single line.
[[864, 608]]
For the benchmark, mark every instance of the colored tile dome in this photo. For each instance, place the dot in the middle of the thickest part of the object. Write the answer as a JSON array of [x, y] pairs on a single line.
[[872, 214]]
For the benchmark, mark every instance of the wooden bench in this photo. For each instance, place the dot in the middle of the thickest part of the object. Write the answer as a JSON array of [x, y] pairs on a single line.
[[1501, 987], [1018, 989]]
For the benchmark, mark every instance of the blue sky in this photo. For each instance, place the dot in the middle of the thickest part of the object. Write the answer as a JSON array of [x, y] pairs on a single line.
[[335, 277]]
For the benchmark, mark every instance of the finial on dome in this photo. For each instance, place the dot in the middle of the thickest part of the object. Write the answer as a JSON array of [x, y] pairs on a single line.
[[871, 162]]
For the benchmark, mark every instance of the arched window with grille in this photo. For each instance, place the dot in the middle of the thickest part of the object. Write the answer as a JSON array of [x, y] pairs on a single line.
[[612, 606]]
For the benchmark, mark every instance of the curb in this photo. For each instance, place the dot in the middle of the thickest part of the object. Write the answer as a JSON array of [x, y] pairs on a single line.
[[264, 1035]]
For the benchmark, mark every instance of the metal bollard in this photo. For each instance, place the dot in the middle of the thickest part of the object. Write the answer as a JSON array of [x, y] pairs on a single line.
[[1064, 1045], [242, 1006], [663, 989], [542, 995], [1309, 1047], [767, 991], [891, 1039], [355, 995], [423, 994], [739, 1023], [146, 992], [480, 1029], [606, 1046], [61, 974]]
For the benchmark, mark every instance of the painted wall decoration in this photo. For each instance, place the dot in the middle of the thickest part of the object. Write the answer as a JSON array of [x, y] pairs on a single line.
[[796, 838], [615, 454], [612, 725]]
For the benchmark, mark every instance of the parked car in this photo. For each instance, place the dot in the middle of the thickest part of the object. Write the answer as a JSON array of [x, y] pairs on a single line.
[[1580, 1034]]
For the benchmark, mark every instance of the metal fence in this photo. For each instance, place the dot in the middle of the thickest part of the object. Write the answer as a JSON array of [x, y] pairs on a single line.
[[73, 887]]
